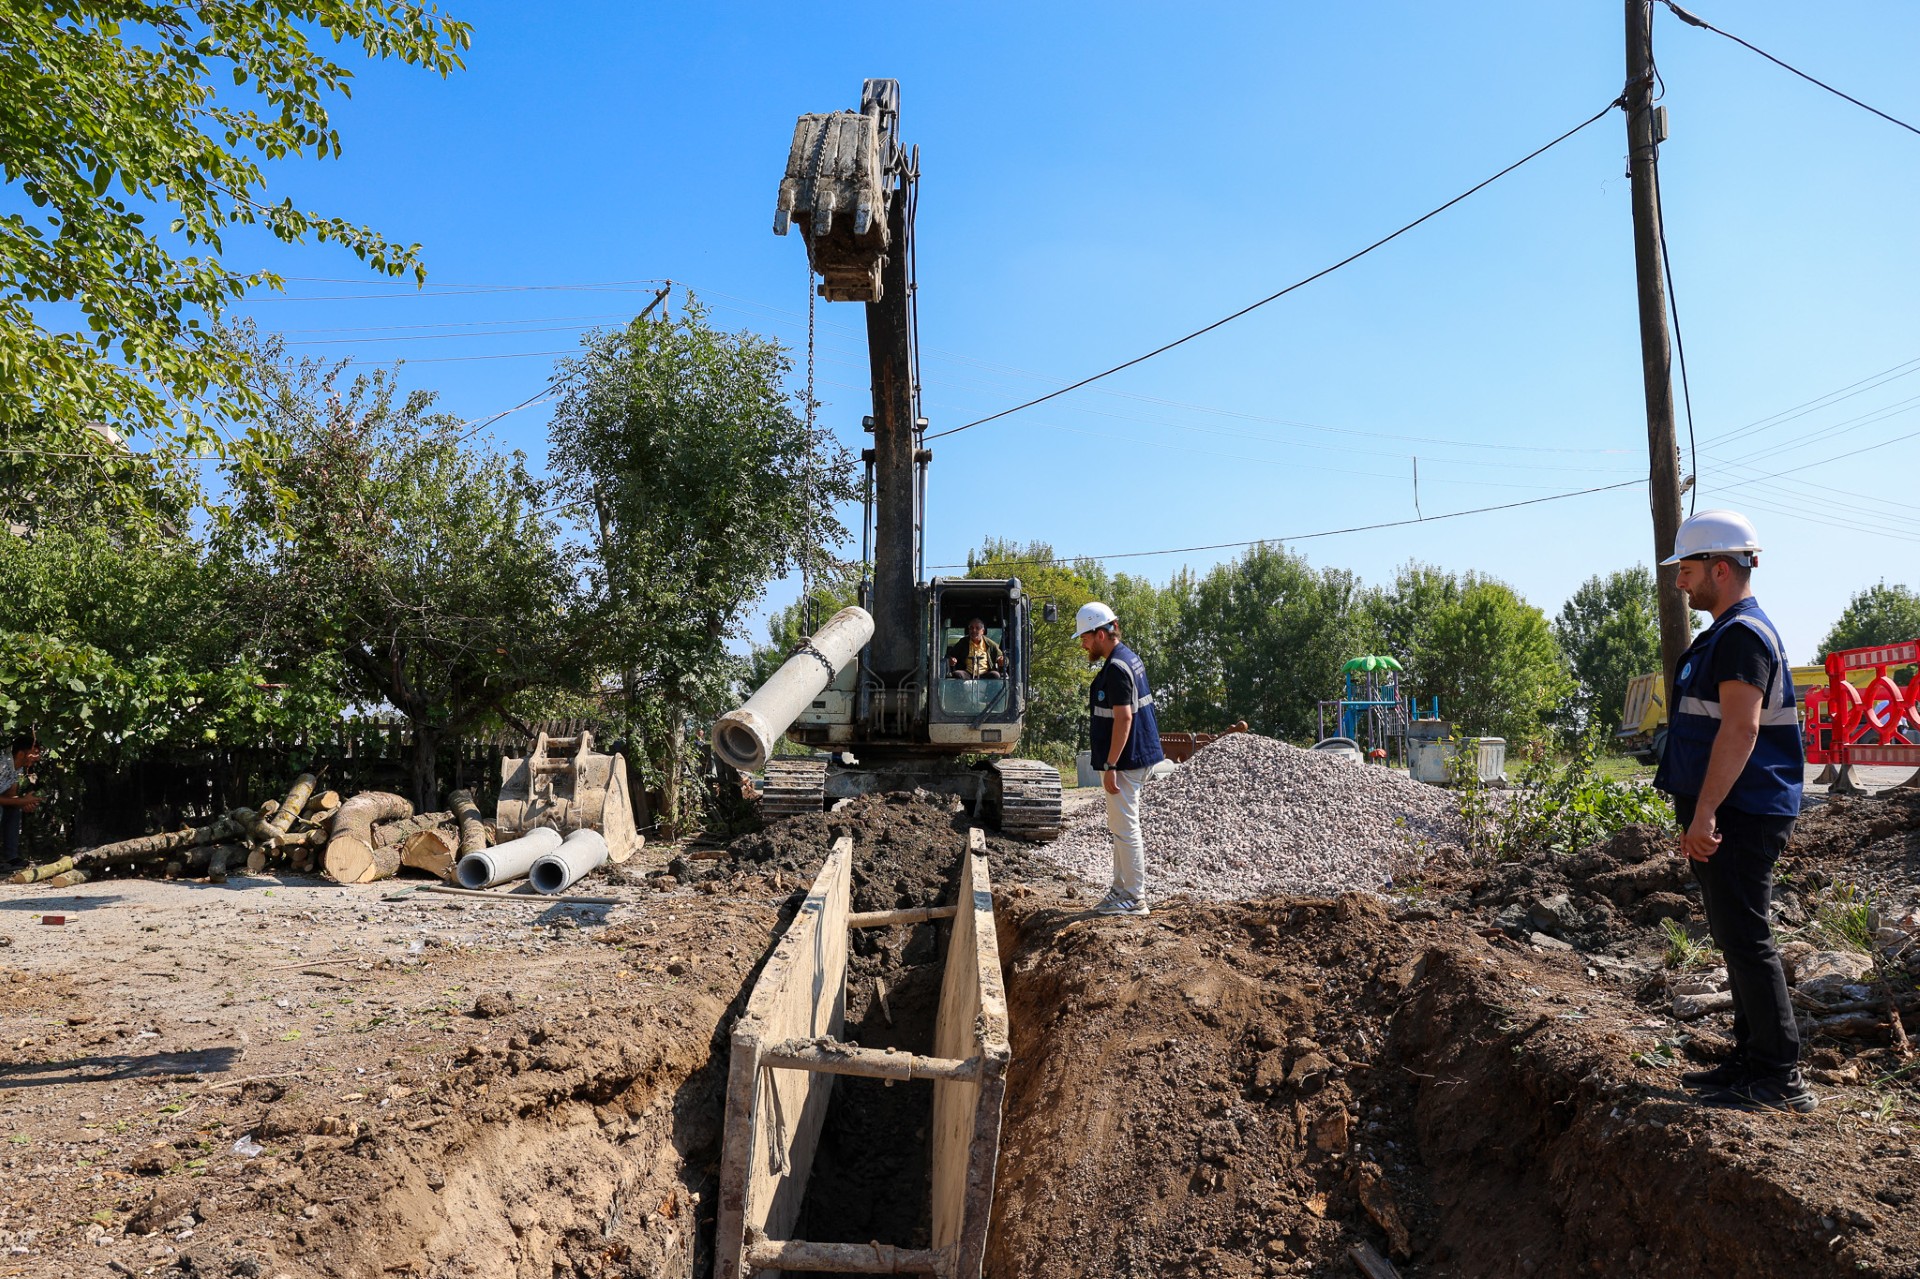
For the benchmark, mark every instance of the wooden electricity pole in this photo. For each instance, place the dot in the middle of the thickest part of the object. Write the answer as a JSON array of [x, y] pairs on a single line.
[[1656, 358]]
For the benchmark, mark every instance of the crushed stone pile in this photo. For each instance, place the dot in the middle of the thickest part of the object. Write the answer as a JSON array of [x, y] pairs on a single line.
[[1249, 816]]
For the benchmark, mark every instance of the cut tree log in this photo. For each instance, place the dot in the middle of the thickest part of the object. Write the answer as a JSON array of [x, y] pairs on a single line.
[[266, 828], [399, 832], [38, 874], [155, 846], [473, 828], [435, 851], [350, 852], [325, 802], [67, 879], [218, 859]]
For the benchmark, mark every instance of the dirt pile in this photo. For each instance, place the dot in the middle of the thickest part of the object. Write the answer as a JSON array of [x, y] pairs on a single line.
[[1249, 1089], [1250, 816]]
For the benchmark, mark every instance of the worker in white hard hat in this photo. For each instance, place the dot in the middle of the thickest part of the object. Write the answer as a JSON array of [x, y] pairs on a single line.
[[1734, 766], [1126, 743]]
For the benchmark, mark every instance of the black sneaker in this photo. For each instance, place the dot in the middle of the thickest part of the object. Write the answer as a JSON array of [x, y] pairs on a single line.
[[1770, 1092], [1728, 1073]]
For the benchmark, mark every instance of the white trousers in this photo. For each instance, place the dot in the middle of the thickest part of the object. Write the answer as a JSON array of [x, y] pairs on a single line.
[[1129, 845]]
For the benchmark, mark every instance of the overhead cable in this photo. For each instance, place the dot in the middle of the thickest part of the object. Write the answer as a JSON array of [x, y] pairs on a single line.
[[1297, 284], [1307, 537], [1693, 20]]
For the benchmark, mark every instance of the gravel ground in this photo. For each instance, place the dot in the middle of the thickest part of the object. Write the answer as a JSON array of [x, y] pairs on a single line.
[[1249, 816]]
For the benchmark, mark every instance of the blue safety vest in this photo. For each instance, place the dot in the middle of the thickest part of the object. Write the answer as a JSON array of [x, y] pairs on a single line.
[[1143, 742], [1769, 785]]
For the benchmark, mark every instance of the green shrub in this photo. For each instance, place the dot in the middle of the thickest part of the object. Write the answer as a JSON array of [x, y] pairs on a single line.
[[1555, 806]]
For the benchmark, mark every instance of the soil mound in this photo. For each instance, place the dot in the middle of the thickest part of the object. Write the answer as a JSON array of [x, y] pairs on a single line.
[[1249, 816], [1250, 1089]]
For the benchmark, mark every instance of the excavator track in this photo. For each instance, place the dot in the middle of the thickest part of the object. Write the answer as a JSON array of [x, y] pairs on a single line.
[[1026, 797], [793, 786]]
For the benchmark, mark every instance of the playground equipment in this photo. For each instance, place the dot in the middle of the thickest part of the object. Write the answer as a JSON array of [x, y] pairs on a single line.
[[1847, 725], [1370, 711]]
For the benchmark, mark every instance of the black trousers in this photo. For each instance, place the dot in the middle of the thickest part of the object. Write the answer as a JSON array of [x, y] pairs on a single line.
[[1736, 887]]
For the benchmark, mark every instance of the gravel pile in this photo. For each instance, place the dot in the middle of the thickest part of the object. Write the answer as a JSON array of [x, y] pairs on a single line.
[[1250, 816]]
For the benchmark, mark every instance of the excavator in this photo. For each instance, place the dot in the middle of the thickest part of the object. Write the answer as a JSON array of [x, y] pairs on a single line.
[[873, 692]]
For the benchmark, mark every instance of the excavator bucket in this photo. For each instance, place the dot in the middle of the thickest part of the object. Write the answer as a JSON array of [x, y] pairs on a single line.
[[836, 189], [563, 783]]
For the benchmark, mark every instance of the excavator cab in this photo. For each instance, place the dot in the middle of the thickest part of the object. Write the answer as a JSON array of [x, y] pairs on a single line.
[[984, 714]]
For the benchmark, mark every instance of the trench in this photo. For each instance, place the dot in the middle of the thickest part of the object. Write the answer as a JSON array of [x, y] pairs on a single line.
[[1229, 1089]]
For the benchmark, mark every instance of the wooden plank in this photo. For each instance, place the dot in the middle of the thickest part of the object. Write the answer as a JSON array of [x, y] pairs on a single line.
[[912, 915], [855, 1258], [966, 1114], [832, 1057], [1371, 1263], [773, 1117]]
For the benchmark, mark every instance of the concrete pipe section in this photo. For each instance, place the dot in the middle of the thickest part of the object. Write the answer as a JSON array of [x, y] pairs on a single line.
[[507, 861], [580, 852], [745, 737]]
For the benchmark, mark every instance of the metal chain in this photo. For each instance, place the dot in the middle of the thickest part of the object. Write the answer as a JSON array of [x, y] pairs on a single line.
[[807, 484]]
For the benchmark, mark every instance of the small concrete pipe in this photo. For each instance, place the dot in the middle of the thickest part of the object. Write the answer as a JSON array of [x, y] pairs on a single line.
[[745, 737], [506, 861], [580, 852]]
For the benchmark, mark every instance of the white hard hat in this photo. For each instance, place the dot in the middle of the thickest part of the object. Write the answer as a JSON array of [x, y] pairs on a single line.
[[1726, 533], [1092, 617]]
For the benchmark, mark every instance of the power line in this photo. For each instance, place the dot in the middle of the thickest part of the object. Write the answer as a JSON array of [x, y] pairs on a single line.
[[1307, 537], [1872, 381], [1297, 284], [1694, 21]]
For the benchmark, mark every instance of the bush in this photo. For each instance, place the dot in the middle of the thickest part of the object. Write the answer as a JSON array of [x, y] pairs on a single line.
[[1555, 806]]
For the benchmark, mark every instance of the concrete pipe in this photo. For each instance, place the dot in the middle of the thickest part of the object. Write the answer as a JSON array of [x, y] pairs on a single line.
[[580, 852], [506, 861], [744, 738]]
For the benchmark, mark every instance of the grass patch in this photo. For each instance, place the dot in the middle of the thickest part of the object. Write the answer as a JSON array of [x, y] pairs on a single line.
[[1844, 919], [1686, 951]]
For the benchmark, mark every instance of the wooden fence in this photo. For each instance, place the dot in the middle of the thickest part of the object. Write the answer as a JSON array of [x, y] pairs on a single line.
[[95, 800]]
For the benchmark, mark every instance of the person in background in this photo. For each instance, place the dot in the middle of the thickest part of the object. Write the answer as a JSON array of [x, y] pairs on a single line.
[[1126, 743], [15, 804]]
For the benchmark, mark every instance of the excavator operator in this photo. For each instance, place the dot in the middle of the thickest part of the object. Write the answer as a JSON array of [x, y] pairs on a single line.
[[974, 656]]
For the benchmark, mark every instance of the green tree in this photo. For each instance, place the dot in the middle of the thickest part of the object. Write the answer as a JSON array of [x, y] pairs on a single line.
[[1398, 616], [1881, 614], [1491, 659], [1263, 638], [117, 119], [414, 557], [121, 657], [1057, 670], [699, 482], [1609, 631]]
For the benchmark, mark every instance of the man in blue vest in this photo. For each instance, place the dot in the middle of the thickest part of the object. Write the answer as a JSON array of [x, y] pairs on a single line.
[[1734, 766], [1126, 743]]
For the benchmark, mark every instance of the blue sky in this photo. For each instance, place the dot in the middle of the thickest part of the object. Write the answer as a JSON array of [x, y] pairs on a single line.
[[1099, 181]]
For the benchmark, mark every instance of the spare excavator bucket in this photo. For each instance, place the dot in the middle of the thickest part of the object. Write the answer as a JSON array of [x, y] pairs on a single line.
[[562, 783], [834, 190]]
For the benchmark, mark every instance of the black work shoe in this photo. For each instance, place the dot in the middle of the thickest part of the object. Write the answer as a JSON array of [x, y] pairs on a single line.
[[1769, 1092], [1728, 1073]]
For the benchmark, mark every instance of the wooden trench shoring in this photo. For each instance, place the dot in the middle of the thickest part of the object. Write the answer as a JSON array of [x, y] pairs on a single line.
[[787, 1048]]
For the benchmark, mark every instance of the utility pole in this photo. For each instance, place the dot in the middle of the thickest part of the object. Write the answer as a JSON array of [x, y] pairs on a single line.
[[1656, 355]]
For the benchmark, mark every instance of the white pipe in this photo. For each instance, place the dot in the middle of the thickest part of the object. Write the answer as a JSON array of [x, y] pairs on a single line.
[[580, 852], [745, 737], [506, 861]]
